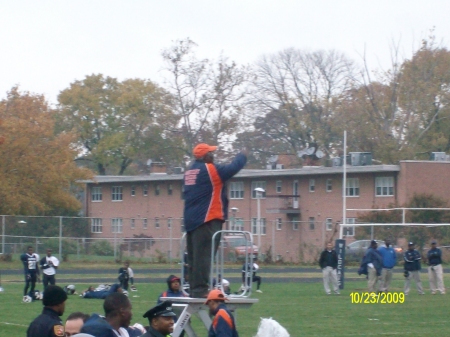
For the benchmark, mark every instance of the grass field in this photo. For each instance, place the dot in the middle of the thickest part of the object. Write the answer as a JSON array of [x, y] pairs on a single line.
[[302, 308]]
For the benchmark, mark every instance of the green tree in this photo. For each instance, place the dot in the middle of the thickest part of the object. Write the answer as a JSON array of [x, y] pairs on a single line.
[[37, 167], [118, 122]]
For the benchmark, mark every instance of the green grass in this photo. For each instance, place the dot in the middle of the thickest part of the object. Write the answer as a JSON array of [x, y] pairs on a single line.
[[302, 308]]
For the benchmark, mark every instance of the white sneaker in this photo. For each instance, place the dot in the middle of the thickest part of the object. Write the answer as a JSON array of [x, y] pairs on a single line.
[[259, 291]]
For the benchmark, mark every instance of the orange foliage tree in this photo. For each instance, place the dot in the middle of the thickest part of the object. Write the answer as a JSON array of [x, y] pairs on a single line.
[[37, 168]]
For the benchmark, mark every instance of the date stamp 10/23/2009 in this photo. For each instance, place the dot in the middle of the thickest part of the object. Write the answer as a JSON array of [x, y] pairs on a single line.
[[377, 298]]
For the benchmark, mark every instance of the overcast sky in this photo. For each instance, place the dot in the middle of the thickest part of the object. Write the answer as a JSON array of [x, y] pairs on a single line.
[[47, 44]]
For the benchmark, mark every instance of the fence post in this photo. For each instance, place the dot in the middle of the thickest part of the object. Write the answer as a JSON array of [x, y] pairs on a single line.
[[3, 234], [60, 237]]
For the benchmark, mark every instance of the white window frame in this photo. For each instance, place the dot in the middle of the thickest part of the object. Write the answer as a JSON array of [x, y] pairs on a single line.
[[329, 185], [157, 224], [157, 189], [349, 230], [116, 193], [145, 190], [96, 225], [169, 223], [263, 226], [116, 225], [237, 224], [352, 187], [144, 223], [329, 224], [96, 194], [312, 185], [279, 224], [133, 190], [278, 186], [169, 189], [260, 184], [132, 223], [295, 224], [237, 190], [384, 186]]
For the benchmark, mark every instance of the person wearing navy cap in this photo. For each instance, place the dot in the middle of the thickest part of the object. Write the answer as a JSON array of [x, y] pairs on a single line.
[[412, 269], [161, 319]]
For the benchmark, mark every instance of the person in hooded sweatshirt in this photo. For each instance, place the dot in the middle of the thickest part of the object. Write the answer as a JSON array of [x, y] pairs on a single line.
[[173, 288]]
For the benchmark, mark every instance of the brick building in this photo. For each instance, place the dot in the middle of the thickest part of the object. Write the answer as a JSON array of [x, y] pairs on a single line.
[[299, 210]]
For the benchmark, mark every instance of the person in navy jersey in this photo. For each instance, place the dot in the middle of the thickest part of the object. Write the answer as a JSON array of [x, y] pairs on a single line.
[[389, 262], [412, 269], [205, 210], [30, 262], [374, 263], [435, 273]]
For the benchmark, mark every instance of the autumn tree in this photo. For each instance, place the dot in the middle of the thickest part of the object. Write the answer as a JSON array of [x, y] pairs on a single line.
[[208, 95], [37, 168], [118, 122]]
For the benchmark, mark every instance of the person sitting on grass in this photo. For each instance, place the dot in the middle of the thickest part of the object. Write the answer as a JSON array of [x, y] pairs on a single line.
[[174, 288]]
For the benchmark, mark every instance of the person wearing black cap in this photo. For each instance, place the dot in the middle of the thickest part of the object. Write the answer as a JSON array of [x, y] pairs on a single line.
[[223, 324], [412, 269], [49, 324], [374, 262], [161, 320], [205, 211], [435, 274], [174, 288]]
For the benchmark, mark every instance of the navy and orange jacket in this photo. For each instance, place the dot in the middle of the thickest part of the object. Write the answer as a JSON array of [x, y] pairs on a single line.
[[205, 195], [223, 323]]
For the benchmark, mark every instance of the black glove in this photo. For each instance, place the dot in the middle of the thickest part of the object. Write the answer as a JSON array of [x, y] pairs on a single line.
[[406, 273]]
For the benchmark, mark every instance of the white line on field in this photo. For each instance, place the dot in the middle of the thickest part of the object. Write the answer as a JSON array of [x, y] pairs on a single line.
[[7, 323]]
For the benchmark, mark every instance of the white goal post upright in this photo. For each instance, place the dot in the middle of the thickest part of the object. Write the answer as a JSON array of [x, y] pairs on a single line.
[[344, 188]]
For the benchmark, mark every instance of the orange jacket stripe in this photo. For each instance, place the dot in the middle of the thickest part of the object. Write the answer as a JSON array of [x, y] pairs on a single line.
[[215, 209], [222, 313]]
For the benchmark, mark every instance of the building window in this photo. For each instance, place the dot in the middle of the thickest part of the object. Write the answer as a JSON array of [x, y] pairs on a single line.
[[182, 225], [96, 225], [237, 224], [157, 189], [384, 186], [169, 189], [349, 230], [145, 190], [237, 190], [329, 224], [132, 223], [255, 226], [312, 222], [144, 223], [329, 185], [352, 189], [260, 184], [116, 193], [96, 194], [169, 223], [295, 225], [279, 224], [312, 185], [157, 223], [116, 225], [278, 186], [133, 191]]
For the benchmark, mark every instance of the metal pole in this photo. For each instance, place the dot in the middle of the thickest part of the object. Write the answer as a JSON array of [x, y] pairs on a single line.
[[170, 245], [115, 240], [344, 188], [274, 223], [60, 237], [3, 234], [259, 224]]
